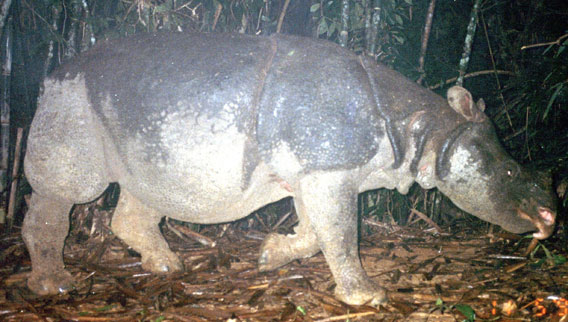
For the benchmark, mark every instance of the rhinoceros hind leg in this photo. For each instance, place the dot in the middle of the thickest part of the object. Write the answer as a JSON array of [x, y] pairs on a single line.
[[278, 250], [137, 225], [45, 228], [329, 200]]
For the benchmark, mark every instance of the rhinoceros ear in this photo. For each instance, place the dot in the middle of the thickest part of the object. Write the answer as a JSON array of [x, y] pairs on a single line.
[[461, 101]]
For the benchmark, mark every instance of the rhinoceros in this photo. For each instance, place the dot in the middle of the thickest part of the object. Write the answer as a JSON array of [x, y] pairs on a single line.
[[207, 128]]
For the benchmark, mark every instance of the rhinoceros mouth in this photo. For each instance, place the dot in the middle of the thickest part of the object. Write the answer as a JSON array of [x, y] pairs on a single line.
[[544, 222]]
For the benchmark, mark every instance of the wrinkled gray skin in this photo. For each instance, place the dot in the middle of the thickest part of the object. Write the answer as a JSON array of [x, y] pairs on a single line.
[[207, 128]]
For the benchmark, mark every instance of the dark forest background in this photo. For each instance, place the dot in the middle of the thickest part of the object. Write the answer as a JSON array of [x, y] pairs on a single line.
[[518, 63]]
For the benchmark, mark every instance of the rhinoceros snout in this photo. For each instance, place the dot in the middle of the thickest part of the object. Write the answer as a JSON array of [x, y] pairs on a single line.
[[544, 221]]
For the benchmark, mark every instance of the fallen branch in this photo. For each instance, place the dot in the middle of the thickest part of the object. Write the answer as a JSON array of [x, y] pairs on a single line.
[[427, 220], [347, 316], [183, 233]]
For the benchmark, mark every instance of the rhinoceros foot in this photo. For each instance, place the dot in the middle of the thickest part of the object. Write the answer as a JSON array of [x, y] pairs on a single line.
[[361, 291], [162, 262], [278, 250], [50, 283], [44, 230], [137, 225]]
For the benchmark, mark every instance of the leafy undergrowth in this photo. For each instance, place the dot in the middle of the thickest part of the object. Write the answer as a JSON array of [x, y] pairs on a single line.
[[465, 275]]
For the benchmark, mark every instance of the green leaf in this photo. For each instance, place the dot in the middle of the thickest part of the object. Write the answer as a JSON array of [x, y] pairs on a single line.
[[322, 27], [399, 39], [104, 308], [165, 7], [559, 88], [301, 310], [548, 48], [398, 19], [559, 260], [538, 263], [331, 29], [547, 252], [314, 7], [467, 311]]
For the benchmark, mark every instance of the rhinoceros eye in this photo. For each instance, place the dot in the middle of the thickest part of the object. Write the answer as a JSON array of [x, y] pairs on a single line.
[[511, 168]]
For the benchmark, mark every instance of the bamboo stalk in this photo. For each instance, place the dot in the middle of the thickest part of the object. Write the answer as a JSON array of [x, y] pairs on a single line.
[[425, 37], [282, 15], [5, 108], [468, 42], [14, 187], [344, 33], [4, 10]]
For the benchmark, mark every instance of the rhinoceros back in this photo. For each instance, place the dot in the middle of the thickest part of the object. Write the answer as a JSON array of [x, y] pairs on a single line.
[[134, 84], [315, 99], [283, 89]]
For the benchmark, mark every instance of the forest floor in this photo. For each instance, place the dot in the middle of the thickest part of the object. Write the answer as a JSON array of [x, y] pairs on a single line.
[[463, 273]]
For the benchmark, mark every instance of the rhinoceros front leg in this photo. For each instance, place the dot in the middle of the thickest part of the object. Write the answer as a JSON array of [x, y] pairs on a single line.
[[45, 228], [137, 225], [330, 202], [278, 250]]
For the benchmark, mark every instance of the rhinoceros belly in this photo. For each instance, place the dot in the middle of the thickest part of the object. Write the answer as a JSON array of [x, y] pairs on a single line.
[[196, 168]]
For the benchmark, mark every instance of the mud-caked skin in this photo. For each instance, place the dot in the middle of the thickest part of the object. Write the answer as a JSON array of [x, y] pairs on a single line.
[[207, 128]]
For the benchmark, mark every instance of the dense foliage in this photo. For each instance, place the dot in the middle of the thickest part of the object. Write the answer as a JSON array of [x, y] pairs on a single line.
[[526, 88]]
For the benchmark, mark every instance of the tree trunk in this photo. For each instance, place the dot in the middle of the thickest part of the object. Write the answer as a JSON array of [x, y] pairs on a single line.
[[5, 108], [468, 42]]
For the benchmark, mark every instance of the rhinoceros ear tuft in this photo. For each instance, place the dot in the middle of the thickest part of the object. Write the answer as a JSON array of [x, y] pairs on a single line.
[[461, 101], [481, 105]]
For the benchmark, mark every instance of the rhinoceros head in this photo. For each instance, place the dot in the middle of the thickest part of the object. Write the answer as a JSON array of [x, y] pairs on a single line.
[[481, 178]]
